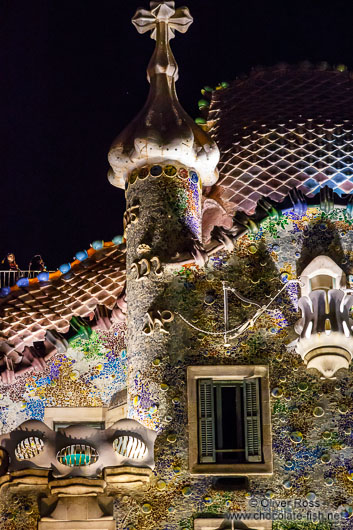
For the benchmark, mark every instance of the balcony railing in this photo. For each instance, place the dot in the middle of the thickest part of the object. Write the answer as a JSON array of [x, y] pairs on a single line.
[[9, 278]]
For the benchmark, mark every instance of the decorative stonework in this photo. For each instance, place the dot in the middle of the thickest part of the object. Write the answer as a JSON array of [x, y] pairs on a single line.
[[76, 512], [183, 192], [79, 451], [162, 130], [325, 329]]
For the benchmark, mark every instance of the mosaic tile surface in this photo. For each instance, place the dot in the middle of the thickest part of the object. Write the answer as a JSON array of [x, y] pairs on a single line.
[[27, 313], [280, 129]]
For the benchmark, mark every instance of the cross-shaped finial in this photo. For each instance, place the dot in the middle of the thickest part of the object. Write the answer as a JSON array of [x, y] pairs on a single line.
[[162, 12]]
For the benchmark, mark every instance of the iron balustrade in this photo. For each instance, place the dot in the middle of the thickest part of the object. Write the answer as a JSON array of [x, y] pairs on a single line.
[[9, 278]]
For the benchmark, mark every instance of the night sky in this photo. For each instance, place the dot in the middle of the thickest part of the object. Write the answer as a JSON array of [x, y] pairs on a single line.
[[73, 76]]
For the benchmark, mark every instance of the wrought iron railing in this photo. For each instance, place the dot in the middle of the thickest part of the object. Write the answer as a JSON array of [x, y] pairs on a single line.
[[9, 278]]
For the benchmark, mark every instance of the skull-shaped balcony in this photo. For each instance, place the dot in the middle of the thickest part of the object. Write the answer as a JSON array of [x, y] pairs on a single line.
[[79, 457], [325, 329]]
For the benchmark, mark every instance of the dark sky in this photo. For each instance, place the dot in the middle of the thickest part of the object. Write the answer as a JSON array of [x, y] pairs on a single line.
[[73, 75]]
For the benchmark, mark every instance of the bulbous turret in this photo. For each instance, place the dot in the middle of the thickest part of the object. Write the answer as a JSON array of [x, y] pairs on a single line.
[[162, 130]]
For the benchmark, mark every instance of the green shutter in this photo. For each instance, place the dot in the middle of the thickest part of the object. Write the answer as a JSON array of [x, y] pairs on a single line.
[[252, 419], [207, 452]]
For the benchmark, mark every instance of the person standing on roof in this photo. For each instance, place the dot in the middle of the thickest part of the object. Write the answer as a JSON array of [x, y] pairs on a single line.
[[9, 263], [37, 264], [10, 270]]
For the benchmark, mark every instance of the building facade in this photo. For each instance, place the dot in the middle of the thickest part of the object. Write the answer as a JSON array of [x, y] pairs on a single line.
[[195, 372]]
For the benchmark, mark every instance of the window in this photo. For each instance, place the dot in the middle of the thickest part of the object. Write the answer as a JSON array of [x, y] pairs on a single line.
[[61, 417], [229, 420], [93, 424], [231, 524], [322, 273], [97, 417], [322, 281]]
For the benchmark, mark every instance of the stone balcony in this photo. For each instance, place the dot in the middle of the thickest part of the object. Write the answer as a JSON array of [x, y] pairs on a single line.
[[75, 471]]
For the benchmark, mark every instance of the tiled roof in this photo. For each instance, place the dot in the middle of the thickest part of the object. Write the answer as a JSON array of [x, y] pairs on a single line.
[[27, 313], [282, 128]]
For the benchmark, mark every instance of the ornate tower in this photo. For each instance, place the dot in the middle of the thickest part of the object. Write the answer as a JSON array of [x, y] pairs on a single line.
[[162, 160], [251, 408]]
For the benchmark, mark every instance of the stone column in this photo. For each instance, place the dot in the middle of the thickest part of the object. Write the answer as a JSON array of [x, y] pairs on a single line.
[[163, 223]]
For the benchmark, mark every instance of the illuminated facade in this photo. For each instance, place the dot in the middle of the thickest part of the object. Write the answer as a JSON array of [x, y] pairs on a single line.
[[195, 372]]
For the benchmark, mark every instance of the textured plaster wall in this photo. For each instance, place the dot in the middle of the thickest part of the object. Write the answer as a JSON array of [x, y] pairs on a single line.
[[168, 221], [88, 374], [314, 473], [316, 470]]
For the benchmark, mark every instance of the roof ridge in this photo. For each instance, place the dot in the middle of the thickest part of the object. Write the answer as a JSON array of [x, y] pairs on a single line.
[[80, 256]]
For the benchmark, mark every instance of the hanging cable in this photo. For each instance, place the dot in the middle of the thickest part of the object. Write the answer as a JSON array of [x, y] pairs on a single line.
[[238, 330]]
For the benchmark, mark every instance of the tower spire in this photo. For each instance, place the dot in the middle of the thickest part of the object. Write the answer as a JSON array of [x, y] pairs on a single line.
[[162, 129], [163, 20]]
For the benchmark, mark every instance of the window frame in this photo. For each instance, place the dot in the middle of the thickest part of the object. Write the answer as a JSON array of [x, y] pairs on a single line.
[[216, 524], [70, 415], [321, 266], [229, 373], [60, 425]]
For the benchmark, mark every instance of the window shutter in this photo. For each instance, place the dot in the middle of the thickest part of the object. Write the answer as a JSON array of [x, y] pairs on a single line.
[[253, 447], [207, 452]]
